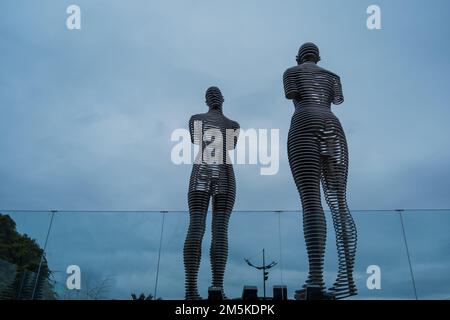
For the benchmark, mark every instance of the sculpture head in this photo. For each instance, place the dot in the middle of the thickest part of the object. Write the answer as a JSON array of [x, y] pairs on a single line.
[[214, 98], [308, 52]]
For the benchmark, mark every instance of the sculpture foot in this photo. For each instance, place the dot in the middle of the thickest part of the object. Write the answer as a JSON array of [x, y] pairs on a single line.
[[300, 294], [216, 293], [313, 293], [341, 291], [193, 296]]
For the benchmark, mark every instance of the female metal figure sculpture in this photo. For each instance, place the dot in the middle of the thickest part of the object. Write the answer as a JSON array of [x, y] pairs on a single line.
[[212, 176], [317, 150]]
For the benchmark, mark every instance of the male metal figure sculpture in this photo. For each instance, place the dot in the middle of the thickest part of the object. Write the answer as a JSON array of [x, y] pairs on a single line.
[[212, 176], [317, 151]]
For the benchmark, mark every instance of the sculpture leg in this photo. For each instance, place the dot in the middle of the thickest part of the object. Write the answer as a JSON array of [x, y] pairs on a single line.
[[334, 182], [305, 161], [222, 207], [198, 208]]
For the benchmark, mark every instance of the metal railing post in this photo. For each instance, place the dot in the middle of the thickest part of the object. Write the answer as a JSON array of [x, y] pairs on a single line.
[[52, 212], [400, 212]]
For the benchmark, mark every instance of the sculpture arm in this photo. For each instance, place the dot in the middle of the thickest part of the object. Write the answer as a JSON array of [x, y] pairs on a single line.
[[290, 86], [195, 129], [233, 136], [338, 96]]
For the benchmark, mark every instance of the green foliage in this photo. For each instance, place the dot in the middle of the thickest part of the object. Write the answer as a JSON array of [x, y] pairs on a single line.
[[142, 296], [25, 254]]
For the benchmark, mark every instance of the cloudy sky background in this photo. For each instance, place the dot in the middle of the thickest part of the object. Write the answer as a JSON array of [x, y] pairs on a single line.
[[87, 117]]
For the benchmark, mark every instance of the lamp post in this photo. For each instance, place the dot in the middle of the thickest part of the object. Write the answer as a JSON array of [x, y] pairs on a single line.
[[264, 267]]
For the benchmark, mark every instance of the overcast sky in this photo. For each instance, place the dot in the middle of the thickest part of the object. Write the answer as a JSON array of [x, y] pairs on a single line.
[[86, 115]]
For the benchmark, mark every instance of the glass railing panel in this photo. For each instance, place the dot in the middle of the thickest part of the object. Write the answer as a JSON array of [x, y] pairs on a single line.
[[250, 233], [247, 239], [171, 271], [428, 236], [115, 251], [379, 243], [121, 253]]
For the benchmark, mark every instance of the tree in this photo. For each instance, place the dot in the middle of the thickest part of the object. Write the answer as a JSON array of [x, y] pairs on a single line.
[[25, 255]]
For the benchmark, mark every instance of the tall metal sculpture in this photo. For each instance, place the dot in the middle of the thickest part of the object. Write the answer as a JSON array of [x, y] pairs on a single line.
[[212, 177], [317, 151]]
